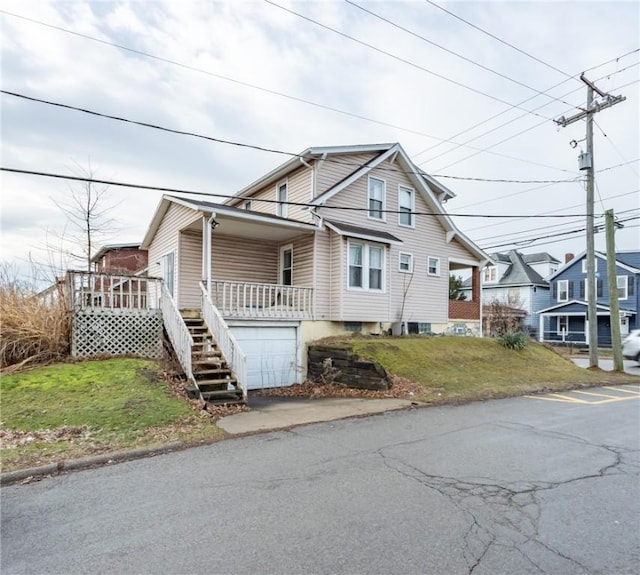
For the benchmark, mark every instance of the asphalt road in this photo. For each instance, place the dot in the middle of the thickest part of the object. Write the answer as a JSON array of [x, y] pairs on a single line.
[[527, 485]]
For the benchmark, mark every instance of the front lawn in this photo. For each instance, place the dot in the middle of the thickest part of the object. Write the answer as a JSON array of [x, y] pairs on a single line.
[[73, 410]]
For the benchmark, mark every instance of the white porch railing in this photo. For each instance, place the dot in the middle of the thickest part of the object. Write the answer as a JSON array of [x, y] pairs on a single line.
[[91, 290], [256, 300], [178, 332], [227, 343]]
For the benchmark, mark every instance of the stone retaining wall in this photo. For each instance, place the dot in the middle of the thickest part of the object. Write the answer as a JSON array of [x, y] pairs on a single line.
[[341, 365]]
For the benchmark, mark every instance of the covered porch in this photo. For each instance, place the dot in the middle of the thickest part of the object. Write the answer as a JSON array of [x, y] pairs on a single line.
[[252, 265]]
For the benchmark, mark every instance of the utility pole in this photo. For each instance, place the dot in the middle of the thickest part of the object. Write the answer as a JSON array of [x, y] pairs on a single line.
[[614, 305], [587, 163]]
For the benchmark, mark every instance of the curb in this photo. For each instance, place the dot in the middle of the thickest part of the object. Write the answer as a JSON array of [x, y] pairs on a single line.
[[86, 462]]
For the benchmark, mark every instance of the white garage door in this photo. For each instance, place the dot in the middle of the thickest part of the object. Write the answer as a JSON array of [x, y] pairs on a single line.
[[272, 355]]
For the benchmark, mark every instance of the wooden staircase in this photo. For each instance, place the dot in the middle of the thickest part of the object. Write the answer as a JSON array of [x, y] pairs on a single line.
[[213, 376]]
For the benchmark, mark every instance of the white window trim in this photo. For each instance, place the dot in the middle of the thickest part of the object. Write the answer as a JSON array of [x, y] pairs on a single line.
[[566, 289], [410, 270], [558, 330], [439, 269], [281, 262], [493, 274], [584, 264], [619, 287], [283, 208], [365, 266], [163, 272], [384, 199], [412, 207]]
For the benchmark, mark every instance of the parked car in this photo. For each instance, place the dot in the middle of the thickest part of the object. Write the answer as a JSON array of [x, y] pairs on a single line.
[[631, 345]]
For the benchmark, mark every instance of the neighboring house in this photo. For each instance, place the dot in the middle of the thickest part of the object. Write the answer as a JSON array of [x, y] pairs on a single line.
[[113, 266], [336, 240], [120, 259], [518, 281], [565, 318]]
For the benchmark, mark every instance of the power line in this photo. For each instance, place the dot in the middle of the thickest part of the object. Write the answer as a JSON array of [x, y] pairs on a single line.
[[253, 198], [547, 214], [403, 60], [256, 87], [510, 138], [452, 52], [487, 120], [573, 232], [251, 146], [501, 40]]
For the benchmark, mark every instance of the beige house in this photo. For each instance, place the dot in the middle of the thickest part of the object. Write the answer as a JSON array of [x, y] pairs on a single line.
[[337, 239]]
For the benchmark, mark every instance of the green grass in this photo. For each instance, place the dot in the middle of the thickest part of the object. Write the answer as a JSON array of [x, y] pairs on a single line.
[[463, 369], [106, 405]]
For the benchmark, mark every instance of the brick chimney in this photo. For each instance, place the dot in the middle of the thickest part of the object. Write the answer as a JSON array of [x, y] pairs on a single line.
[[568, 257]]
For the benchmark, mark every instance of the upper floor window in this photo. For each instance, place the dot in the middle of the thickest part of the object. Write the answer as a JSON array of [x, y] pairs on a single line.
[[513, 296], [433, 266], [490, 274], [622, 284], [405, 206], [405, 263], [563, 290], [282, 200], [366, 266], [584, 264], [247, 205], [377, 193]]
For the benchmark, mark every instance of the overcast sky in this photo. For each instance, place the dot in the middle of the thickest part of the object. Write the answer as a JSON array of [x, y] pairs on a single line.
[[455, 94]]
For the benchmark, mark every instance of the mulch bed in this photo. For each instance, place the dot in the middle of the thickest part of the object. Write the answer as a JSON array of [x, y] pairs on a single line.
[[401, 388]]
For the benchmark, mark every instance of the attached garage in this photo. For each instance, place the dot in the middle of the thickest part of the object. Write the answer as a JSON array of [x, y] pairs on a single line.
[[273, 353]]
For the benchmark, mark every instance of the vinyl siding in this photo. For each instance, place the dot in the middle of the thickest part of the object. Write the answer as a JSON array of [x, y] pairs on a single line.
[[337, 167], [244, 260], [336, 275], [323, 280], [167, 237], [427, 296], [303, 249], [190, 269], [299, 185]]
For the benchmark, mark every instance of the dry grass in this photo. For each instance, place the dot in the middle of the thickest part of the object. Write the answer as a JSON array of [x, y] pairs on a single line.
[[32, 330]]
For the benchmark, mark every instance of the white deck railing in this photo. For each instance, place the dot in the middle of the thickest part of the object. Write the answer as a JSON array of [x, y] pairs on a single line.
[[227, 343], [256, 300], [91, 290], [178, 332]]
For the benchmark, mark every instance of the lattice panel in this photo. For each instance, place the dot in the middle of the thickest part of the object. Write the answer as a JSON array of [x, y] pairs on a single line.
[[117, 332]]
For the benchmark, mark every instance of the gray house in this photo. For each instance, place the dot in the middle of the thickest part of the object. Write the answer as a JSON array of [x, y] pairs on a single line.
[[518, 281]]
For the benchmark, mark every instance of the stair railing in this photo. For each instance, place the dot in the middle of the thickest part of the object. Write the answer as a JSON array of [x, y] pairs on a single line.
[[227, 343], [177, 331]]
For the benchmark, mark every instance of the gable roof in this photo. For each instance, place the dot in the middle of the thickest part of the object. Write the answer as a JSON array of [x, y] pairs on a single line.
[[301, 159], [540, 257], [578, 305], [629, 261], [112, 247], [518, 273]]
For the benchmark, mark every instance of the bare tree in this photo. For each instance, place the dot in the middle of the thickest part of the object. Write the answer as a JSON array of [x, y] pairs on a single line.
[[87, 211]]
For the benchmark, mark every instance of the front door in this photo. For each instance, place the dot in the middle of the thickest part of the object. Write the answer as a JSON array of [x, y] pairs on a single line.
[[286, 265], [624, 326]]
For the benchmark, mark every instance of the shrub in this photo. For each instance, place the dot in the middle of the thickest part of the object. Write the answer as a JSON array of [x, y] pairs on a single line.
[[514, 340], [33, 330]]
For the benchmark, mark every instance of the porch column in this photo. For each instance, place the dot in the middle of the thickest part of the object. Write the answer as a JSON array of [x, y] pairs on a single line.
[[540, 327]]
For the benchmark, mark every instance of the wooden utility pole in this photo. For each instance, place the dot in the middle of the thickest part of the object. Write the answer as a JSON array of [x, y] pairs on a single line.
[[586, 163], [614, 306]]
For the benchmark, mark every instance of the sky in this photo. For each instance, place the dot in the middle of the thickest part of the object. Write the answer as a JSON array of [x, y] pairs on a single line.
[[469, 89]]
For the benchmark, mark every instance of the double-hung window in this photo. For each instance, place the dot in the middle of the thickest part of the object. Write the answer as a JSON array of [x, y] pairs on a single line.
[[405, 263], [433, 266], [563, 290], [563, 324], [366, 266], [490, 274], [621, 283], [377, 193], [282, 200], [405, 206]]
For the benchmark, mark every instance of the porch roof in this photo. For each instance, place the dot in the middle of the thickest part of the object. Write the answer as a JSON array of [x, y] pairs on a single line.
[[579, 307], [232, 221]]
